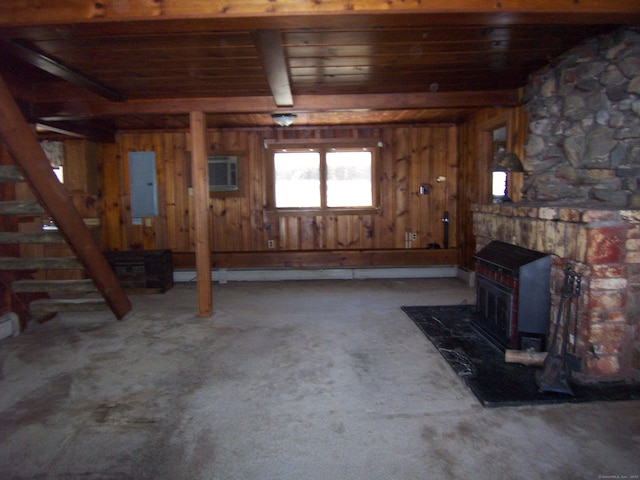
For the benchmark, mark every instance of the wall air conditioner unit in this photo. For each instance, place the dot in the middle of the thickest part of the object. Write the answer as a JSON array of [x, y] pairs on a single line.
[[223, 173]]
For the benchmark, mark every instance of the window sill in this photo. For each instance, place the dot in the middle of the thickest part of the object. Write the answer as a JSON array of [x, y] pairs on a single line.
[[325, 211]]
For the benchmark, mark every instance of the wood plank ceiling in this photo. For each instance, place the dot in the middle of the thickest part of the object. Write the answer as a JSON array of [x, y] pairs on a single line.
[[92, 69]]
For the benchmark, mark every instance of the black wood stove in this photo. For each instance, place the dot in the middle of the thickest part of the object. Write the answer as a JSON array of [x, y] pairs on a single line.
[[513, 296]]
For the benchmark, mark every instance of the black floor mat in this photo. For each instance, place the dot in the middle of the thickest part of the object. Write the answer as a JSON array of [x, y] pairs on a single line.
[[482, 367]]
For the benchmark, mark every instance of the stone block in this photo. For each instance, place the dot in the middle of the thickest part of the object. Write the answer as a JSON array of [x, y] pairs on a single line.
[[632, 310], [508, 210], [632, 245], [524, 211], [548, 213], [627, 132], [608, 283], [554, 238], [628, 171], [631, 216], [539, 242], [505, 231], [571, 237], [633, 273], [581, 245], [608, 333], [575, 106], [603, 365], [619, 156], [589, 216], [630, 67], [608, 271], [535, 145], [634, 86], [617, 198], [599, 174], [604, 245], [632, 257], [601, 317], [574, 147], [569, 214], [599, 144], [606, 300], [617, 93]]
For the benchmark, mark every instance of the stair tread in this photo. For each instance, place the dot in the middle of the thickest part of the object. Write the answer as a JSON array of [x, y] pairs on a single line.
[[76, 286], [31, 237], [45, 307], [69, 301], [10, 174], [20, 207], [52, 263]]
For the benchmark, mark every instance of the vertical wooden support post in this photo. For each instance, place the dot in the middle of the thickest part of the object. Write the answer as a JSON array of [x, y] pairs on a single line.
[[200, 176], [23, 146]]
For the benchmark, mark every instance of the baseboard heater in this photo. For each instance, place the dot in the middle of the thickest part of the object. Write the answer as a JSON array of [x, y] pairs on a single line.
[[224, 275]]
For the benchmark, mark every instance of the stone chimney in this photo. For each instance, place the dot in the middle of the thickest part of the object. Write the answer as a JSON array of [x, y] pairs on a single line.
[[581, 195], [584, 143]]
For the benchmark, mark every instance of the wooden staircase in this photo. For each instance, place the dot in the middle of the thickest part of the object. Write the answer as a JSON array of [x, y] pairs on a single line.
[[35, 169], [64, 295]]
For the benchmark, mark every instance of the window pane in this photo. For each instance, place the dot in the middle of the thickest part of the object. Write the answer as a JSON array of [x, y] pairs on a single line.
[[349, 179], [297, 179], [499, 185]]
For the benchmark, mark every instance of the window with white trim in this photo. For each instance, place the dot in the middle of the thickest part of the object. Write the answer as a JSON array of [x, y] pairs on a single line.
[[326, 177]]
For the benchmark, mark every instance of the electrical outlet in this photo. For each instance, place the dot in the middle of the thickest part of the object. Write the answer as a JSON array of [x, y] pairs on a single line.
[[271, 243], [414, 237]]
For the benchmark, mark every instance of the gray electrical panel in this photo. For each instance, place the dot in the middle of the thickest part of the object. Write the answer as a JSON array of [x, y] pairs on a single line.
[[142, 177]]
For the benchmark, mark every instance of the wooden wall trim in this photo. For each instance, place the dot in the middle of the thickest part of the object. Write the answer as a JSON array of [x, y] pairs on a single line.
[[322, 259]]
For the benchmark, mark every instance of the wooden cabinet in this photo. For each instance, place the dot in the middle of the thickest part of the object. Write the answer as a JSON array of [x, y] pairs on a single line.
[[143, 271]]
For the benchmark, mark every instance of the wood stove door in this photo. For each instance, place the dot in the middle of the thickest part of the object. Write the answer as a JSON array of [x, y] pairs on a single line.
[[496, 311]]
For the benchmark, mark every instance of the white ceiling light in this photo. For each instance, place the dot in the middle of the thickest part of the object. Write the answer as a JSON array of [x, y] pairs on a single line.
[[283, 119]]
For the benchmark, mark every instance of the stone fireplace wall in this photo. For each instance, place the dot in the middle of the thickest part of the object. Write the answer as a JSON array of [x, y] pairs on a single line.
[[581, 195], [584, 126], [604, 247]]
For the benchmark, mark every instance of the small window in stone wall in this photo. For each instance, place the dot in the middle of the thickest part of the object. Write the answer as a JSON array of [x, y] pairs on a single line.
[[499, 184], [499, 179]]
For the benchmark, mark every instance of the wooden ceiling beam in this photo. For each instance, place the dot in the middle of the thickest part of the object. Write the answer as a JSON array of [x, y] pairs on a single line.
[[269, 46], [303, 103], [91, 130], [61, 71], [338, 12]]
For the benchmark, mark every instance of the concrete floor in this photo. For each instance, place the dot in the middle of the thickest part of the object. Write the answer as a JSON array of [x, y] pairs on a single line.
[[289, 380]]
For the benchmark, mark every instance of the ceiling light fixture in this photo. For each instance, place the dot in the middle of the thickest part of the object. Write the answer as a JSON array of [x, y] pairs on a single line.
[[283, 119]]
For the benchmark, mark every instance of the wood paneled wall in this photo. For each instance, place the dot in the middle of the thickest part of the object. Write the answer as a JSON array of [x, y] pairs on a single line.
[[410, 156], [475, 145]]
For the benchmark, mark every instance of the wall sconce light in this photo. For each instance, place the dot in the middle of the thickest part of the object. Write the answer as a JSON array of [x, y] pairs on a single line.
[[283, 119], [441, 178], [506, 162]]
